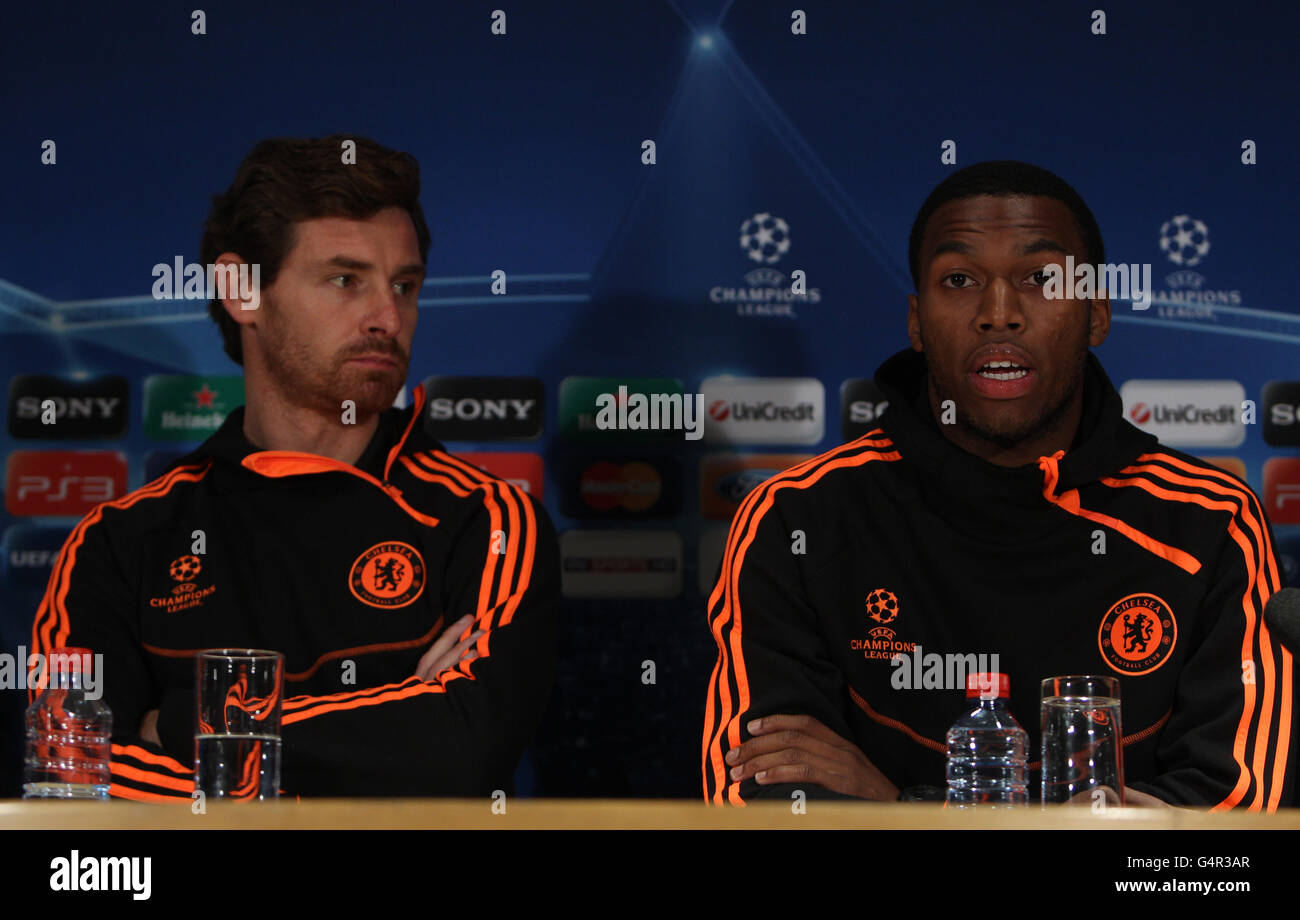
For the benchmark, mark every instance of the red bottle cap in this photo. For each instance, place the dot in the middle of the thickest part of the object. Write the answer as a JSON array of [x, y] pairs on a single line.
[[987, 686]]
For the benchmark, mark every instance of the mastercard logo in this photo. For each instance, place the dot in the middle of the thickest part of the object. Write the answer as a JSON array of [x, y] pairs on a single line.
[[632, 486]]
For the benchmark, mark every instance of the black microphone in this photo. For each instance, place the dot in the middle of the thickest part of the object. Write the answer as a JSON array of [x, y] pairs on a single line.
[[1282, 617]]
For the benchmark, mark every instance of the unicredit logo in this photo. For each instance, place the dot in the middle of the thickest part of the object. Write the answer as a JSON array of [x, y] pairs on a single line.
[[1200, 413], [767, 411], [764, 410], [1192, 414], [770, 412]]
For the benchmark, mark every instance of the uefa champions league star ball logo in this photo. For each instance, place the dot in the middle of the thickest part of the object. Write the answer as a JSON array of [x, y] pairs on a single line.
[[186, 568], [765, 238], [882, 606], [1185, 240]]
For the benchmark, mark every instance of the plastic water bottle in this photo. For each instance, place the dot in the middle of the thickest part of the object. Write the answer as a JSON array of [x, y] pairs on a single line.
[[986, 749], [68, 752]]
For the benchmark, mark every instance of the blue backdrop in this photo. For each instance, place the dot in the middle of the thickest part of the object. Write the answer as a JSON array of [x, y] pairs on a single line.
[[530, 145]]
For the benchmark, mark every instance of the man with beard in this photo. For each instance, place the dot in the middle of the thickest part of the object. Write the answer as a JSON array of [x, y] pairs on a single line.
[[411, 594], [1003, 507]]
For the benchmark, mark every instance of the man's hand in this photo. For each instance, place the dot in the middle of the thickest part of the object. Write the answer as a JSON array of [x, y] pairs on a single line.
[[1135, 799], [446, 651], [799, 749], [1132, 798], [149, 727]]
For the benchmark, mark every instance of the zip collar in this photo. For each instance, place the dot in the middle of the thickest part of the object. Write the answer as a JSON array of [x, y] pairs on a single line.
[[229, 445], [992, 500]]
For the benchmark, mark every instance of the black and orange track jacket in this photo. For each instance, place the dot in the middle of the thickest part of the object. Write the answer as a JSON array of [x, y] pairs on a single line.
[[352, 572], [1117, 557]]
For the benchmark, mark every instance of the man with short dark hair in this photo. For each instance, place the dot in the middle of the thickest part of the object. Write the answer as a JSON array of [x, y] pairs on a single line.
[[413, 595], [1003, 507]]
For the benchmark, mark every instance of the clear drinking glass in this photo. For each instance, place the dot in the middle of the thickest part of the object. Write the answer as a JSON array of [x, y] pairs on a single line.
[[1082, 740], [237, 740]]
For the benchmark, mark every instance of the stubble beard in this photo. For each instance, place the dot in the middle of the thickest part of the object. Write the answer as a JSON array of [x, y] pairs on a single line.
[[323, 386]]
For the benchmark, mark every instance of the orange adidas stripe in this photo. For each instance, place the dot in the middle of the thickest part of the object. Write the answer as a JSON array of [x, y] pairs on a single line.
[[118, 791], [1283, 734], [465, 471], [51, 627], [1254, 553], [1234, 487], [1253, 567], [306, 700], [148, 756], [722, 668], [304, 707], [516, 497], [417, 399], [719, 682], [755, 507], [530, 556], [153, 779], [1285, 694], [743, 701], [1254, 518], [511, 559], [494, 522], [48, 614], [1069, 501], [456, 474], [1247, 652], [720, 678], [417, 689]]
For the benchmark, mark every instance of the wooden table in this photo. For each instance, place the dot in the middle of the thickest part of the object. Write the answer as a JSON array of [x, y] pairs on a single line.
[[601, 814]]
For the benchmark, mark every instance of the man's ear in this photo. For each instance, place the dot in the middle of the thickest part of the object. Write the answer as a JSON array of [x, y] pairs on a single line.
[[913, 323], [1099, 321], [240, 284]]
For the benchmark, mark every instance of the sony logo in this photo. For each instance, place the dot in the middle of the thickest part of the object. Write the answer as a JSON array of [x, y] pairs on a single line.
[[73, 407], [1284, 414], [470, 409]]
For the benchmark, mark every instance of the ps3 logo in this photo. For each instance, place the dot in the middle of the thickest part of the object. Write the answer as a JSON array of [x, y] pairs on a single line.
[[1282, 489], [93, 489], [62, 482]]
